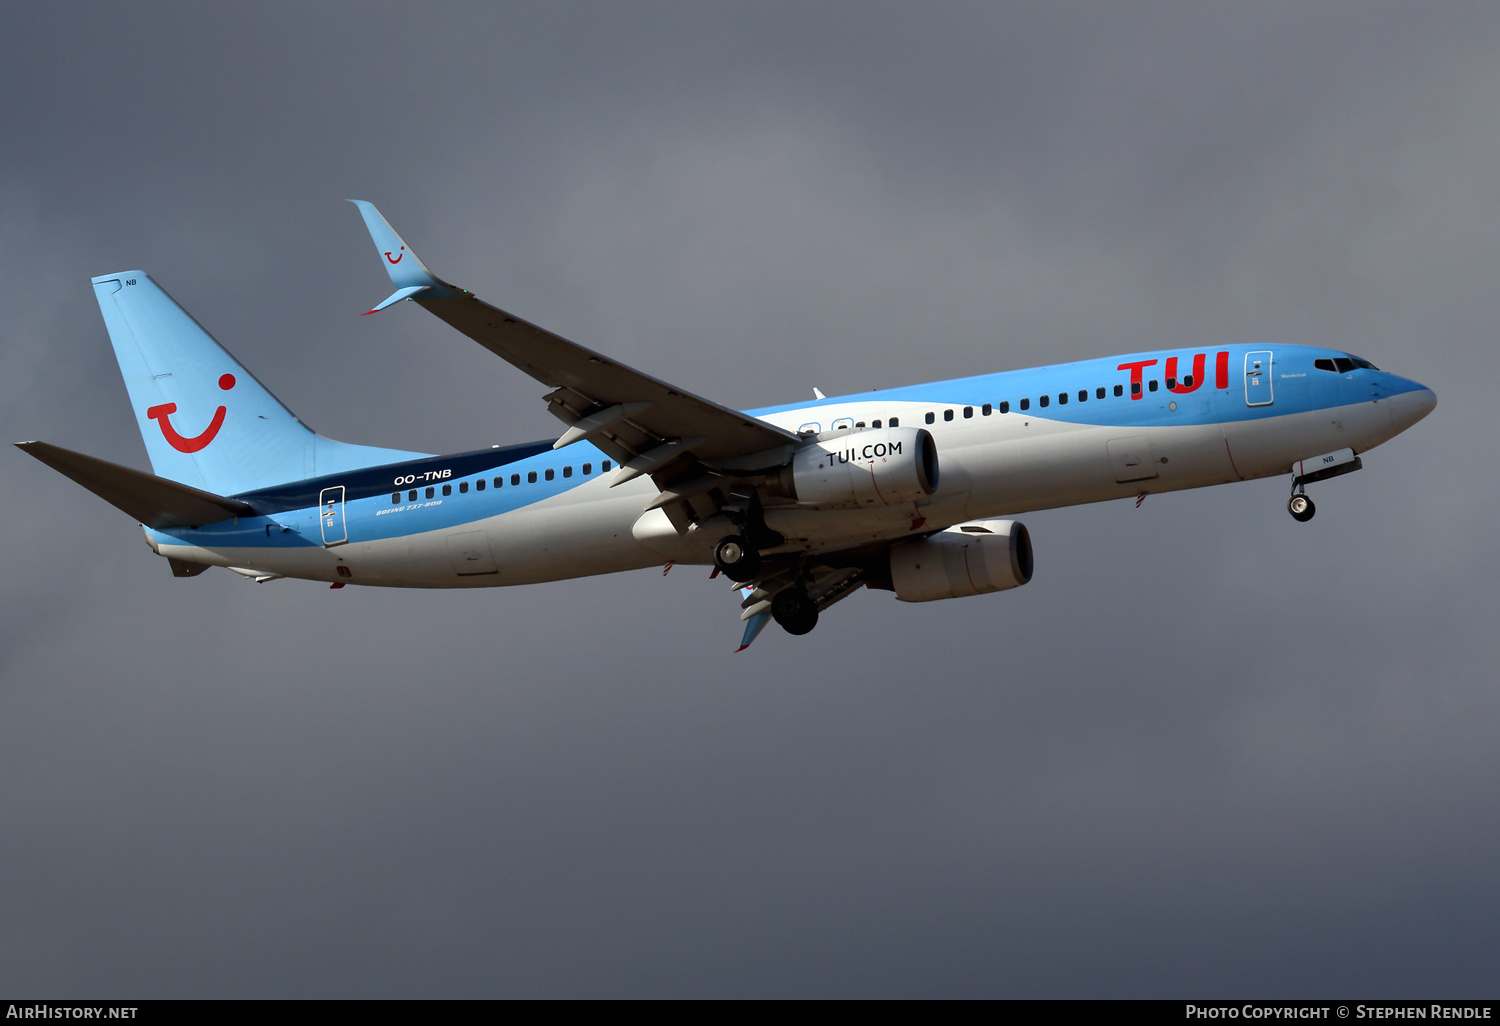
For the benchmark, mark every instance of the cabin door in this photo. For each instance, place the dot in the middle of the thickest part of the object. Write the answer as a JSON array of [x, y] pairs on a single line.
[[331, 515], [1258, 379]]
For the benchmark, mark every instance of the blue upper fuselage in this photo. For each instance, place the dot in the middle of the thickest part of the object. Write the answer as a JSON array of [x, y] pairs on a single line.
[[1166, 388], [1070, 392]]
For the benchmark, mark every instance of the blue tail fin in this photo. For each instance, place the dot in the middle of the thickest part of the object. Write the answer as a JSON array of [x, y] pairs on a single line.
[[207, 422]]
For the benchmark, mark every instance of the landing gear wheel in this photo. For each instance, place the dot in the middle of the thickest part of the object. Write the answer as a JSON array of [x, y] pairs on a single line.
[[1301, 508], [794, 611], [735, 558]]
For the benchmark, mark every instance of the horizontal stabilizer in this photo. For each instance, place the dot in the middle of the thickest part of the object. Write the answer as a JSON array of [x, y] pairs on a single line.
[[153, 501]]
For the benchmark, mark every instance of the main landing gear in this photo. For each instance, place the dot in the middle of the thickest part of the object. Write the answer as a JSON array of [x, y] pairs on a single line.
[[736, 558], [794, 611], [738, 555], [1300, 506]]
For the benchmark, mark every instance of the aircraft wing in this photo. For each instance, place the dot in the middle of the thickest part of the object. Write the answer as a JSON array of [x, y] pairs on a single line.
[[646, 424]]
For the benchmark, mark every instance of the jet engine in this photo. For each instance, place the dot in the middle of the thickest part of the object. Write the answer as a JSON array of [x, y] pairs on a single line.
[[968, 559], [878, 467]]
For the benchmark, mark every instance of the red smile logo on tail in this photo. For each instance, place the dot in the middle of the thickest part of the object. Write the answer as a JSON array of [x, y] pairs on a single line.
[[176, 441], [397, 258]]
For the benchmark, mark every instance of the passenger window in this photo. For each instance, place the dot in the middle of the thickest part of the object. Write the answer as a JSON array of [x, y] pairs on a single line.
[[1099, 393], [604, 467], [588, 468], [874, 423], [499, 482], [895, 422], [1025, 404], [567, 471], [986, 409], [812, 427], [1187, 381], [479, 485], [1083, 395], [531, 477], [1135, 388], [1119, 390], [430, 493], [395, 498], [1171, 383], [411, 496], [843, 424], [1044, 400], [1005, 406], [859, 423], [1062, 398], [968, 413], [447, 489], [550, 473], [515, 479], [947, 414], [931, 417], [463, 487]]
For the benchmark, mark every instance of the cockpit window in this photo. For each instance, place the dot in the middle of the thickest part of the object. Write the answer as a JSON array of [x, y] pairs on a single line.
[[1344, 364]]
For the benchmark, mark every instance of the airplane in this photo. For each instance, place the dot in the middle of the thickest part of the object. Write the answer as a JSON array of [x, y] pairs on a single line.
[[907, 490]]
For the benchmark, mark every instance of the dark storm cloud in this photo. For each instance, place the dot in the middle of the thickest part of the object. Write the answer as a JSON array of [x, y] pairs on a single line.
[[1206, 751]]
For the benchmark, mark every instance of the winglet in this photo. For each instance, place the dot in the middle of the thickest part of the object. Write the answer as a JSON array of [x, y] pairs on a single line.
[[755, 623], [406, 270]]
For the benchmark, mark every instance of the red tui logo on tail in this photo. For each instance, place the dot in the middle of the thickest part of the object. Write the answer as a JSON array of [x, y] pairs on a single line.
[[197, 442]]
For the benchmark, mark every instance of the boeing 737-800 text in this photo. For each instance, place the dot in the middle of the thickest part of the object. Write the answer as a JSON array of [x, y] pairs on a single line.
[[799, 505]]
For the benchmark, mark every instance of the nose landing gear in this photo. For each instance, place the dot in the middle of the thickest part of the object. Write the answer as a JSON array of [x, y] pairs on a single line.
[[1301, 507], [1318, 468]]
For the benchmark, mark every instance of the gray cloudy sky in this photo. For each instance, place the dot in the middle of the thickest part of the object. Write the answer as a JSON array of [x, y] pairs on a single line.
[[1208, 751]]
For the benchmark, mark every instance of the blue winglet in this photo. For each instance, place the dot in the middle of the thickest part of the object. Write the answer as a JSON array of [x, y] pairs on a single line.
[[406, 270], [754, 625]]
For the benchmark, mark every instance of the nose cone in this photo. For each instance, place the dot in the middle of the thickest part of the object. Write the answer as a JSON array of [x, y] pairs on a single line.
[[1411, 404]]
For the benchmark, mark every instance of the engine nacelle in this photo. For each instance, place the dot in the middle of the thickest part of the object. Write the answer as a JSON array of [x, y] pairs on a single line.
[[879, 467], [969, 559]]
